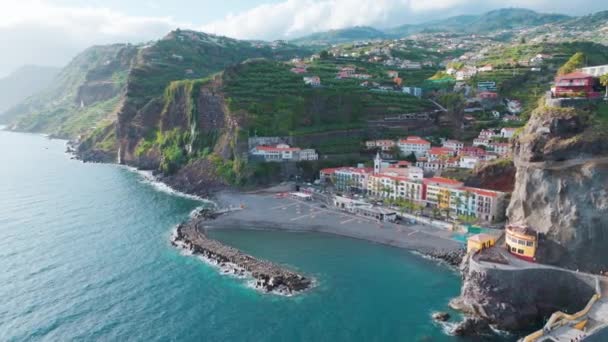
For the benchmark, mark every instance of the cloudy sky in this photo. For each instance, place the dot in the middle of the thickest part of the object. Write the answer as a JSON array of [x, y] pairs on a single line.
[[51, 32]]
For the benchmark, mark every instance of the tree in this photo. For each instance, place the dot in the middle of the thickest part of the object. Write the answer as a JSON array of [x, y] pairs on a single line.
[[412, 158], [604, 82], [395, 151], [576, 61], [522, 40], [324, 54]]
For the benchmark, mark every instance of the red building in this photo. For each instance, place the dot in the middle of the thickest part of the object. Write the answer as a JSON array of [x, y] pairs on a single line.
[[576, 84]]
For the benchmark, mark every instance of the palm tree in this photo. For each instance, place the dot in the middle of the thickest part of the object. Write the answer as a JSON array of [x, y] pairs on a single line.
[[604, 82]]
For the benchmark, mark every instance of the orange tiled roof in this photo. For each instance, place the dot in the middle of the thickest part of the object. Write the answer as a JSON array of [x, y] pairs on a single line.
[[414, 140], [442, 180], [277, 149]]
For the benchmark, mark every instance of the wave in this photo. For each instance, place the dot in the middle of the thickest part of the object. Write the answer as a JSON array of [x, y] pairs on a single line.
[[147, 177]]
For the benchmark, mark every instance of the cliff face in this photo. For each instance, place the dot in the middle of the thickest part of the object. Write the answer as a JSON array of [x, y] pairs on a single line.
[[561, 186], [515, 300], [499, 176]]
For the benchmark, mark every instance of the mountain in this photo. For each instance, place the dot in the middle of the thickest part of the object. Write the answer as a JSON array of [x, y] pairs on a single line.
[[342, 36], [84, 92], [497, 20], [24, 82], [108, 84]]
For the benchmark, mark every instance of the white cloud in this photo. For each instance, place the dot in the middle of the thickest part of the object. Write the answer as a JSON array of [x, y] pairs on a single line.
[[41, 32], [292, 18], [37, 32], [297, 17]]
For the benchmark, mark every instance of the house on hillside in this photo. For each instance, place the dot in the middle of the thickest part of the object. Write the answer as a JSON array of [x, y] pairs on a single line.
[[298, 70], [576, 84], [453, 144], [282, 153], [348, 70], [414, 91], [508, 132], [486, 86], [514, 106], [487, 95], [314, 81], [465, 73], [413, 144], [486, 68]]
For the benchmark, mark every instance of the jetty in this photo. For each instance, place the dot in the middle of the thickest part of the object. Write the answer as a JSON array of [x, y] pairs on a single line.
[[268, 277]]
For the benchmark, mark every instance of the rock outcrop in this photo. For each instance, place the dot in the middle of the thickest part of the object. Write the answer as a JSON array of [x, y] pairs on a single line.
[[561, 186]]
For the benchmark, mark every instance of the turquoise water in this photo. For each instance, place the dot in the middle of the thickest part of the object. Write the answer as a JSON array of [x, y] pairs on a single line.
[[84, 255]]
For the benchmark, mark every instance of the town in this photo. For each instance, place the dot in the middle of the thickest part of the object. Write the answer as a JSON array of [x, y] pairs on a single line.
[[423, 171]]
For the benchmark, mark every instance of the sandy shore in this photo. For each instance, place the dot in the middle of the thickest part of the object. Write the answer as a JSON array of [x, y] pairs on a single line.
[[263, 211]]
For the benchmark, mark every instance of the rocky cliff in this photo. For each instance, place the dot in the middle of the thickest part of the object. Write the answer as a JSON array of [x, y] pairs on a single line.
[[561, 185], [519, 299], [498, 175]]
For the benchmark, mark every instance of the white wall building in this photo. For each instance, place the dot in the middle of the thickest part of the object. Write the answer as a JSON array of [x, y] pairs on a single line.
[[415, 145]]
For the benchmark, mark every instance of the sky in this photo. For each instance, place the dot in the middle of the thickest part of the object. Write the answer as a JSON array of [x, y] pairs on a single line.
[[51, 32]]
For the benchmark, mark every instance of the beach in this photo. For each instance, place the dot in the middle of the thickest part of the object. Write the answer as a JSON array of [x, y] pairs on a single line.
[[266, 211]]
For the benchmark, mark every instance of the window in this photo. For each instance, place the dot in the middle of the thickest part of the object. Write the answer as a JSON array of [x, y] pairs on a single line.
[[530, 243], [520, 251]]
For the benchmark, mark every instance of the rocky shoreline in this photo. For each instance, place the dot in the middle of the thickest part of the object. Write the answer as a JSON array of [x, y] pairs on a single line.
[[268, 277]]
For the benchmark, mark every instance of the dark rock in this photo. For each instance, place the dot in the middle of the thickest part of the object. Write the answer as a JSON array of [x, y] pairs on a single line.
[[452, 257], [472, 326], [441, 316]]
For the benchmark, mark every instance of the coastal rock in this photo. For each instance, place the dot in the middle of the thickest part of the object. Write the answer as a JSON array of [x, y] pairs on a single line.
[[452, 258], [472, 326], [441, 316]]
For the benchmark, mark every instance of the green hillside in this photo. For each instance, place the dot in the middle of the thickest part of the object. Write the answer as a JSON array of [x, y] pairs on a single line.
[[279, 103]]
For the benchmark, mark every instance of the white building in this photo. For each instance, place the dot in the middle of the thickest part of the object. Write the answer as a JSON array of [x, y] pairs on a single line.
[[453, 144], [307, 154], [508, 132], [413, 144], [468, 162], [282, 152], [502, 149], [385, 145], [414, 91], [314, 81]]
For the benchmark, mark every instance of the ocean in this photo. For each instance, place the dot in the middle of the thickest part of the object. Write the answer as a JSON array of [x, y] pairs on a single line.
[[85, 255]]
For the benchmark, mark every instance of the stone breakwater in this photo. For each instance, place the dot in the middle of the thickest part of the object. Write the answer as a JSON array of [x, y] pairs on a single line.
[[268, 277]]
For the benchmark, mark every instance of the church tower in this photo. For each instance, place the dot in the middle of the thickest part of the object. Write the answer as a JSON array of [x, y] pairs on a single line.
[[377, 163]]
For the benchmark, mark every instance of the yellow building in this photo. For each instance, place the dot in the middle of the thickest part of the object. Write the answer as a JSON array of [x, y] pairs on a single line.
[[480, 242], [522, 242]]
